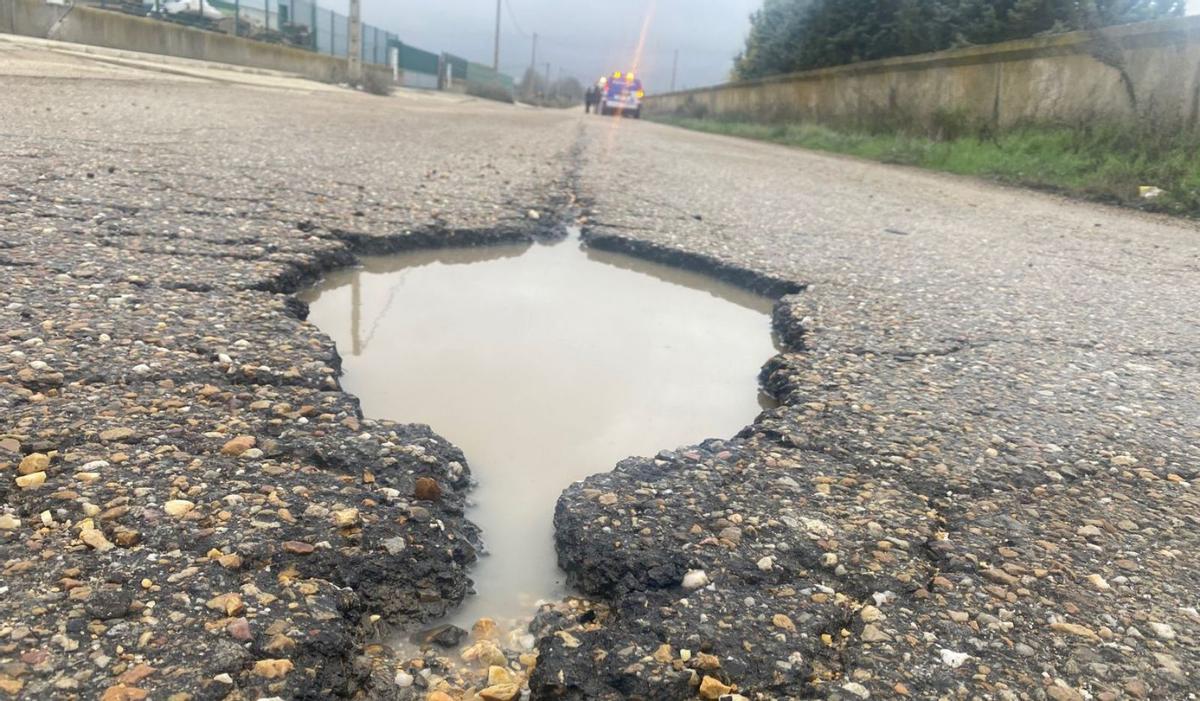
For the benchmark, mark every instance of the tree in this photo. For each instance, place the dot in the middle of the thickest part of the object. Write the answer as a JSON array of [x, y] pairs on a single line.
[[532, 84], [793, 35]]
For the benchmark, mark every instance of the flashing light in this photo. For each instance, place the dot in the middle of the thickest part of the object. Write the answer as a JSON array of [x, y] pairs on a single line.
[[629, 76], [617, 75], [641, 94]]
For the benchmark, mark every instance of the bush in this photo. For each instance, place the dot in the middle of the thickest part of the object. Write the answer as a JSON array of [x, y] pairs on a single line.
[[378, 82]]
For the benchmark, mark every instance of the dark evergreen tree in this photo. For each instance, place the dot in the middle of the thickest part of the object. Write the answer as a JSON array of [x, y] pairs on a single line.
[[793, 35]]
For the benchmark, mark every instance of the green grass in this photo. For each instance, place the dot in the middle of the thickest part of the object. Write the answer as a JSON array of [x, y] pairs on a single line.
[[1097, 163]]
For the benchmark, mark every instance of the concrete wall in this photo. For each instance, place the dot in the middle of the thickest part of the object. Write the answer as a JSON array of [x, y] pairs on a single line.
[[87, 25], [1148, 71]]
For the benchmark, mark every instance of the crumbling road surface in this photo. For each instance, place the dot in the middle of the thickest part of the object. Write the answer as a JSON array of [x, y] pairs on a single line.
[[978, 483]]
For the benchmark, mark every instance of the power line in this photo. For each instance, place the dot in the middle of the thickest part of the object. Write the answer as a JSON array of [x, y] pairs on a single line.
[[512, 16]]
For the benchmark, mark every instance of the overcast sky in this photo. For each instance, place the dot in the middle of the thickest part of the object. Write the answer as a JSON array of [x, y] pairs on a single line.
[[586, 38]]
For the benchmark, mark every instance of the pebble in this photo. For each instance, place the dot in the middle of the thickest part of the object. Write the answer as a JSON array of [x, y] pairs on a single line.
[[485, 629], [712, 688], [178, 507], [953, 659], [116, 434], [783, 622], [345, 518], [694, 579], [273, 668], [34, 462], [94, 539], [484, 652], [1074, 629], [427, 489], [237, 446], [298, 547], [239, 629], [32, 480], [500, 692]]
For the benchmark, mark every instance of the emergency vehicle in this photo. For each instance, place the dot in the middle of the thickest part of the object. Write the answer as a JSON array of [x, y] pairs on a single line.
[[621, 94]]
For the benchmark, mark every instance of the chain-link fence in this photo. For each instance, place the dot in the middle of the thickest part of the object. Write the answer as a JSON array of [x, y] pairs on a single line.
[[305, 24]]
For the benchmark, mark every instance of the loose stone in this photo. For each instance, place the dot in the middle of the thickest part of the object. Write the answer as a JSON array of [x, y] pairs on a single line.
[[34, 462], [31, 481], [694, 579], [178, 507], [238, 445], [711, 688], [427, 489]]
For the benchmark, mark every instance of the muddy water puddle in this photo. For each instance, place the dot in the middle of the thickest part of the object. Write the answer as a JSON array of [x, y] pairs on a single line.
[[544, 364]]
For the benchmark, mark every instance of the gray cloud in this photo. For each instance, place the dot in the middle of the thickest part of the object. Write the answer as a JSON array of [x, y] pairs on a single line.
[[585, 38]]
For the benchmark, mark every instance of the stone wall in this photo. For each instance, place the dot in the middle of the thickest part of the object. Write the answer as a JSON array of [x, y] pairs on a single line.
[[1148, 72], [116, 30]]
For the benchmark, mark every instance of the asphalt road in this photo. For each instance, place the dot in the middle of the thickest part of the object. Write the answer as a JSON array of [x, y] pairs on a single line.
[[977, 485]]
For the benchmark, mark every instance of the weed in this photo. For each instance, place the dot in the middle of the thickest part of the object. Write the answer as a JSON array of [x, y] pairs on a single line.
[[377, 82], [1104, 162]]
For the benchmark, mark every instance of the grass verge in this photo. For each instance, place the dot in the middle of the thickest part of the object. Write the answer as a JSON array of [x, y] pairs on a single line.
[[1100, 163]]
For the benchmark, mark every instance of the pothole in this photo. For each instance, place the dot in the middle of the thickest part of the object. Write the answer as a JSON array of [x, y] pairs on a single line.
[[544, 364]]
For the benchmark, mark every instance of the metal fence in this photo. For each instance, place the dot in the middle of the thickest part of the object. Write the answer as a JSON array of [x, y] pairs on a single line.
[[417, 68], [305, 24]]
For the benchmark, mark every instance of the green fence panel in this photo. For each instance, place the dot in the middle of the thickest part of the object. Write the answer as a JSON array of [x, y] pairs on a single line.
[[458, 65], [416, 60]]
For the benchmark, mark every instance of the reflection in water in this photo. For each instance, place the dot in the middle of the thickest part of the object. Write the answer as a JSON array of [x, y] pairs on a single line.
[[398, 264], [685, 278], [544, 367]]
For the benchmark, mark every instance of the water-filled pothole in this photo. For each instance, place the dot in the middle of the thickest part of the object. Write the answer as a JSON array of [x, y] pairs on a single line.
[[544, 364]]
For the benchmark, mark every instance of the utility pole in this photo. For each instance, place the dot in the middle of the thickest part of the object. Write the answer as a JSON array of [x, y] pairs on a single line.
[[496, 54], [547, 77], [531, 76], [354, 50], [674, 69]]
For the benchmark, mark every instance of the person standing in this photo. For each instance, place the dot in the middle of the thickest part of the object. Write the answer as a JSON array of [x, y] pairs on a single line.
[[589, 99]]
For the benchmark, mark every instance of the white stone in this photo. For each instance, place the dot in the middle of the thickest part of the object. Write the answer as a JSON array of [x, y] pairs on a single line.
[[694, 579], [953, 659], [404, 679]]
